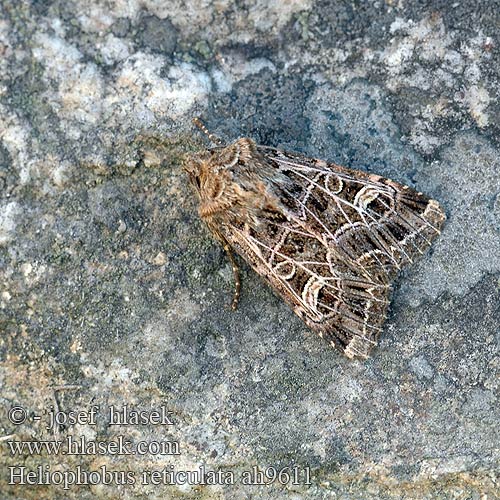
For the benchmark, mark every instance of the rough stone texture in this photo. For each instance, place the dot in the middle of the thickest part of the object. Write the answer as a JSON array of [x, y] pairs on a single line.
[[109, 281]]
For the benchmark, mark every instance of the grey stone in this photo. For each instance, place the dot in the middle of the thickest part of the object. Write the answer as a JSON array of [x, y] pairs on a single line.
[[160, 35]]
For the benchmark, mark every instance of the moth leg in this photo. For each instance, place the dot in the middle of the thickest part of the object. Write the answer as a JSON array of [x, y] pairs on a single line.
[[236, 273], [212, 137]]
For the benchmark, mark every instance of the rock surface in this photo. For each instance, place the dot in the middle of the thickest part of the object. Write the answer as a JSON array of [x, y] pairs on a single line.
[[112, 292]]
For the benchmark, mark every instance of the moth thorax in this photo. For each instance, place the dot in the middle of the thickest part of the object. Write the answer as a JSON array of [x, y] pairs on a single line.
[[213, 188]]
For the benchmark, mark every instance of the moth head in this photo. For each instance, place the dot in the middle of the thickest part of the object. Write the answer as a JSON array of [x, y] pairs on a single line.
[[216, 164], [212, 171], [195, 167]]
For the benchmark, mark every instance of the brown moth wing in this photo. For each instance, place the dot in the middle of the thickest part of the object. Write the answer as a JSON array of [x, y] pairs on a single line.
[[363, 213], [328, 239], [364, 227]]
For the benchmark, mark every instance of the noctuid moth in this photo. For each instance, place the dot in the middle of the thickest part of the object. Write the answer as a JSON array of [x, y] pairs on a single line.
[[328, 239]]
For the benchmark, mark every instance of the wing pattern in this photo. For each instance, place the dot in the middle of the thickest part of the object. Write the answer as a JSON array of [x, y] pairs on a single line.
[[336, 242]]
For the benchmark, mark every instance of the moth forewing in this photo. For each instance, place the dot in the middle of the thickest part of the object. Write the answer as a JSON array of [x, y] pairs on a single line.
[[328, 239]]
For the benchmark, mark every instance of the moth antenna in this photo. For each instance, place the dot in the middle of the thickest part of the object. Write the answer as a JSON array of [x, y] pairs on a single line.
[[212, 137]]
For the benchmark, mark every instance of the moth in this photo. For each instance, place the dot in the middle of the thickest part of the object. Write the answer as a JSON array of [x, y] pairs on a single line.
[[328, 239]]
